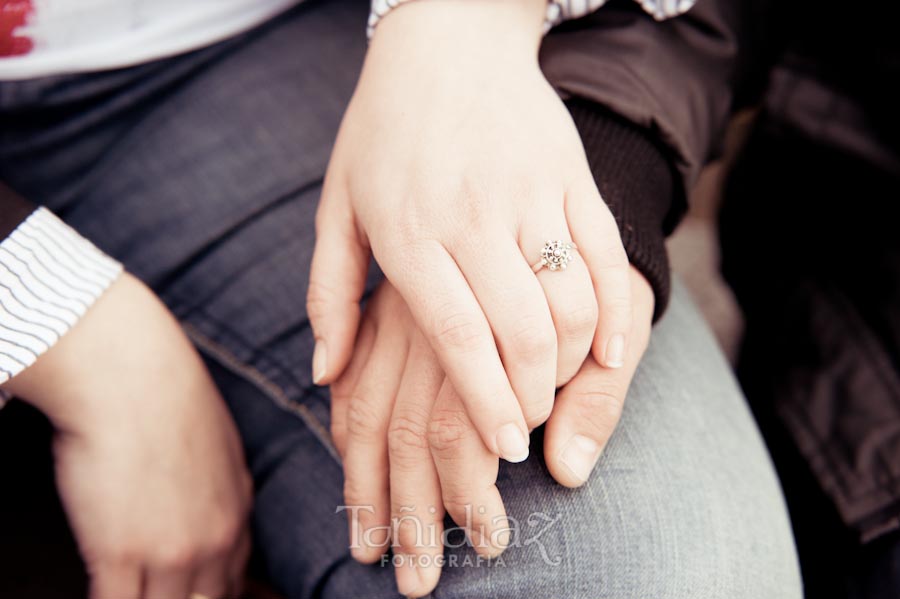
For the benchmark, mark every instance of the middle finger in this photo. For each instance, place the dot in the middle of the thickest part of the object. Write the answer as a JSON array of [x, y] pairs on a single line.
[[515, 306]]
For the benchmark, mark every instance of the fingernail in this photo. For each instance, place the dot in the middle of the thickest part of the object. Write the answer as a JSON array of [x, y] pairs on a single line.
[[319, 362], [579, 455], [615, 351], [407, 577], [512, 443]]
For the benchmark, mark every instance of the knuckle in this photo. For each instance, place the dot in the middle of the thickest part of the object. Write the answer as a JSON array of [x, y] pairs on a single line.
[[617, 307], [408, 533], [600, 408], [224, 536], [117, 553], [446, 431], [320, 299], [579, 322], [458, 331], [613, 256], [407, 435], [176, 555], [534, 343], [458, 504], [356, 493], [471, 207], [538, 413], [363, 418], [408, 229]]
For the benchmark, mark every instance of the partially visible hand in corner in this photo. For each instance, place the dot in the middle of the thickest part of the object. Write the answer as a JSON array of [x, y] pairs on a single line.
[[148, 461]]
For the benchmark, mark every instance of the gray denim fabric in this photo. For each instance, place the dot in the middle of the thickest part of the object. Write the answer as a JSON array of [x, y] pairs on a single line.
[[202, 173]]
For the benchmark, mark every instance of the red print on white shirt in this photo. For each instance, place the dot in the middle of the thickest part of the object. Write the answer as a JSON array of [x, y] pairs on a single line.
[[14, 14]]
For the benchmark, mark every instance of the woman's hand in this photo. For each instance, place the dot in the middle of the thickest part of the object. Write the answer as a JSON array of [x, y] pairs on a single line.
[[455, 163], [149, 464], [410, 451]]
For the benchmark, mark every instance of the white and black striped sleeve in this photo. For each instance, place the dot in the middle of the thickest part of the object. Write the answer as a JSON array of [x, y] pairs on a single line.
[[49, 277], [564, 10], [557, 10]]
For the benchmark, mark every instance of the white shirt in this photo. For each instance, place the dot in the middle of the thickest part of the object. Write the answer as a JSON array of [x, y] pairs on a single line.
[[67, 36], [52, 37]]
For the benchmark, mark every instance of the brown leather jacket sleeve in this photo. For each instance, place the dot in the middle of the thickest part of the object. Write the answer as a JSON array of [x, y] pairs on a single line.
[[674, 78]]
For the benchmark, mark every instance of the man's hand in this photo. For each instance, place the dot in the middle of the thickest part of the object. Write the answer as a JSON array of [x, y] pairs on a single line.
[[588, 408], [411, 452], [148, 462]]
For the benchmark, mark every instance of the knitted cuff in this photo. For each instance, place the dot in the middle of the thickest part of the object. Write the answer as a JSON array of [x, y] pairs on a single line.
[[637, 182]]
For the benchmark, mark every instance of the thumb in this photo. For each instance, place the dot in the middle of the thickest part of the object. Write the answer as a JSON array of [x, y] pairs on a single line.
[[336, 283], [588, 408], [584, 417]]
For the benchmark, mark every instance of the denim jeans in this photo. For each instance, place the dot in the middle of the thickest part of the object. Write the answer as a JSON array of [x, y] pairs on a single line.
[[202, 172]]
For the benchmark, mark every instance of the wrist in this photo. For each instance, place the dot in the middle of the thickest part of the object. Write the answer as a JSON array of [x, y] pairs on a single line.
[[462, 28], [80, 382]]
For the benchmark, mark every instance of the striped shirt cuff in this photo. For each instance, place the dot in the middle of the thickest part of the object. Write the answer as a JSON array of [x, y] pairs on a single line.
[[49, 277], [557, 10], [565, 10]]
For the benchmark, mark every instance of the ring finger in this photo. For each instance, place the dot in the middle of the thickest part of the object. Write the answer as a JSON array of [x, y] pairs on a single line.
[[567, 286]]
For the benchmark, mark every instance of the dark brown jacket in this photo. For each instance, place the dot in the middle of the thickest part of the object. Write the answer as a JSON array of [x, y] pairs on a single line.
[[811, 247], [810, 235]]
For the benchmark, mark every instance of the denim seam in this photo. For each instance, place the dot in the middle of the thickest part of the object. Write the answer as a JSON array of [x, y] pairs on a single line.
[[268, 387]]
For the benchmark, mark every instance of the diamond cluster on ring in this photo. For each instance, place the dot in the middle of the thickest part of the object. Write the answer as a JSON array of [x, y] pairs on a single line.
[[556, 255]]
